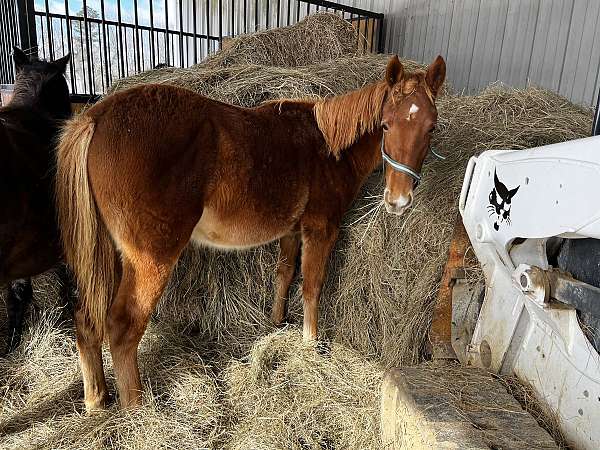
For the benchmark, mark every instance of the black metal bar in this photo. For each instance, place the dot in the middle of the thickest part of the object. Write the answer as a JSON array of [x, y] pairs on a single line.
[[308, 9], [181, 33], [167, 61], [220, 21], [245, 16], [596, 126], [232, 31], [27, 26], [298, 11], [380, 40], [268, 14], [348, 9], [278, 12], [194, 25], [289, 11], [152, 57], [136, 37], [208, 26], [255, 15]]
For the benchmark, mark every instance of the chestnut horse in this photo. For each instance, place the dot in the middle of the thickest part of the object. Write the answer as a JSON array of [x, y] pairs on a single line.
[[149, 169]]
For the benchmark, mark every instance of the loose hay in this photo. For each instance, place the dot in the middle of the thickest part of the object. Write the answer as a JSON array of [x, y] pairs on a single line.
[[289, 396], [376, 306]]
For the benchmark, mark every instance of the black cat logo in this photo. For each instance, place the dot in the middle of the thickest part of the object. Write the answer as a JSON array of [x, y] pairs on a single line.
[[500, 202]]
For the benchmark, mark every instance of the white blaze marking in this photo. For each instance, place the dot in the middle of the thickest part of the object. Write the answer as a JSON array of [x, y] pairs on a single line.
[[413, 109]]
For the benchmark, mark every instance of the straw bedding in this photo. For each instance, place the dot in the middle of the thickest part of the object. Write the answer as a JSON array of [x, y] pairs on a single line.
[[217, 374]]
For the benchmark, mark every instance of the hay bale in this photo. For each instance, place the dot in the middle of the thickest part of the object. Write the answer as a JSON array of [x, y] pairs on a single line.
[[286, 395], [317, 38]]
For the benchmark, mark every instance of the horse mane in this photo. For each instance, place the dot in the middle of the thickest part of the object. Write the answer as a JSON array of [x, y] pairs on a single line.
[[344, 118]]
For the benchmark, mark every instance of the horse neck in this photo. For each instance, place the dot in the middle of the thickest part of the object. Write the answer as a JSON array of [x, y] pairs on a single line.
[[55, 106], [365, 153]]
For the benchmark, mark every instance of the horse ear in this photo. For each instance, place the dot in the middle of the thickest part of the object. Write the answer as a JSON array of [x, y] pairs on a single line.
[[61, 64], [512, 192], [394, 71], [19, 57], [436, 74]]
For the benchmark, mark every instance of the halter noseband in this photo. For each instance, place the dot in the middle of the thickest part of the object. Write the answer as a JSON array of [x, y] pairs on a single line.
[[398, 166]]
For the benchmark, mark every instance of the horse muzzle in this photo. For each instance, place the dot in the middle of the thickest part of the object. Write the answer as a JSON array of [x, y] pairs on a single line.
[[397, 205]]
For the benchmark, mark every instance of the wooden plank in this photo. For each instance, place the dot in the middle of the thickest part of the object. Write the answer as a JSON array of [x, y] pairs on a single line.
[[446, 406]]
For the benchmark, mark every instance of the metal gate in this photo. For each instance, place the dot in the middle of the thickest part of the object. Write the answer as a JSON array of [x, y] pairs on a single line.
[[108, 41]]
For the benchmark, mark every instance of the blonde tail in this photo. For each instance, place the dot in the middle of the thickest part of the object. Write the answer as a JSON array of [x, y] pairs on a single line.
[[88, 247]]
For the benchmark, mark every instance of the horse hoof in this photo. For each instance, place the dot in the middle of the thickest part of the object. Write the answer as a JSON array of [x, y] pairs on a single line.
[[96, 405]]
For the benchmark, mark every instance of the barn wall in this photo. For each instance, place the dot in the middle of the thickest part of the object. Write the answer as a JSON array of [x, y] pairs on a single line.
[[550, 43]]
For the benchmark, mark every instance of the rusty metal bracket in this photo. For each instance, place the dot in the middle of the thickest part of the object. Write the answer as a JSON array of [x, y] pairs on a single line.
[[440, 336]]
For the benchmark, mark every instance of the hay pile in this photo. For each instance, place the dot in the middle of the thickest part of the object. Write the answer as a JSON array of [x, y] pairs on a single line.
[[316, 38], [251, 84], [217, 374]]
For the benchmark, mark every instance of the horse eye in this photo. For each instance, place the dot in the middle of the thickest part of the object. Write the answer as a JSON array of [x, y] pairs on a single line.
[[385, 126]]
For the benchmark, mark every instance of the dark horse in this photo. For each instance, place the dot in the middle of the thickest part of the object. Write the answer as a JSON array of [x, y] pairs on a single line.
[[29, 128], [149, 169]]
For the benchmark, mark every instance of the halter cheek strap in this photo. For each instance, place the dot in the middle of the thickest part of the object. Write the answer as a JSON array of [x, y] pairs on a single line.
[[398, 166]]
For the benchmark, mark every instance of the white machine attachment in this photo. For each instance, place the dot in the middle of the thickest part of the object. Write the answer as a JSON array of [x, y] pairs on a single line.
[[521, 209]]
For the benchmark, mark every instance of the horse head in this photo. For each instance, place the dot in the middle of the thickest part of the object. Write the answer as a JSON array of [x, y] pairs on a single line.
[[409, 116], [42, 84]]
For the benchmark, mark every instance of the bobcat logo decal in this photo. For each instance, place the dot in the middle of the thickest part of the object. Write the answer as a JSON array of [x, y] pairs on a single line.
[[500, 202]]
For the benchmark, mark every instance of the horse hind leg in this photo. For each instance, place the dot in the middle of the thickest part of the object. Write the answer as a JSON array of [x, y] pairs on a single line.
[[20, 294], [144, 278], [89, 346], [286, 266]]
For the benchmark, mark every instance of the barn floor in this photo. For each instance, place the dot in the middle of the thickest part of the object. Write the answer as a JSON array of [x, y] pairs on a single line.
[[281, 395]]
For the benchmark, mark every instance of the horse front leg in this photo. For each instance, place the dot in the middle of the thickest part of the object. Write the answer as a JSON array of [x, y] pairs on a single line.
[[316, 248], [286, 266]]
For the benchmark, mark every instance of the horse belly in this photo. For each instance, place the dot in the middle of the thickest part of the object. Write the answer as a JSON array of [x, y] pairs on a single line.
[[235, 234]]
